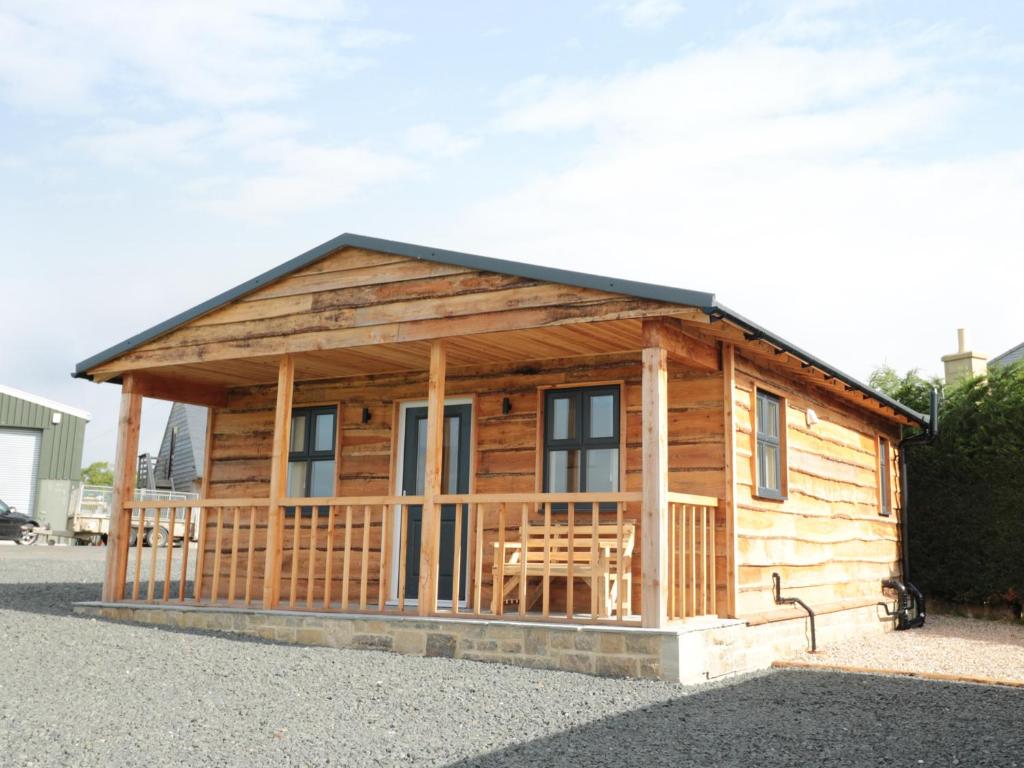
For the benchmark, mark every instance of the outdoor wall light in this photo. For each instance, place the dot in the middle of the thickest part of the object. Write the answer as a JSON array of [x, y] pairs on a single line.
[[506, 406], [812, 417], [366, 415]]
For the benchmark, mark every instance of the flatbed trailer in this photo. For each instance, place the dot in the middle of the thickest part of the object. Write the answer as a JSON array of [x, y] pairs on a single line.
[[90, 521]]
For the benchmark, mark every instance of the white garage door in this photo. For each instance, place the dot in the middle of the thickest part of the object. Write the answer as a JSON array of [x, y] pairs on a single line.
[[19, 467]]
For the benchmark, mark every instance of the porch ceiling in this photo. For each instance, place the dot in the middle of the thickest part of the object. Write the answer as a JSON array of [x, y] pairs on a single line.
[[580, 339]]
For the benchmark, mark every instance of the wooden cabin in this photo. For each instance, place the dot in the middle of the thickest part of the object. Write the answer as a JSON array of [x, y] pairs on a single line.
[[400, 437]]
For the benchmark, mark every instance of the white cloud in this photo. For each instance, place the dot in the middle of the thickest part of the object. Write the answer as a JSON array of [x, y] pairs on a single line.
[[71, 56], [302, 177], [645, 14], [438, 140], [772, 168], [134, 144]]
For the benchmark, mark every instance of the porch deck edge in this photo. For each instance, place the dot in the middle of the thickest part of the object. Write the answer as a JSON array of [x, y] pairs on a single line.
[[690, 652]]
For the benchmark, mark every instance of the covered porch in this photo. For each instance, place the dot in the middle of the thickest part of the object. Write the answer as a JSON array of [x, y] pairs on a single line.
[[455, 534]]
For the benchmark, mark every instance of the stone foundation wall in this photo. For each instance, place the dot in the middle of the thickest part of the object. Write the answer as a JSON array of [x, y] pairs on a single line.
[[691, 653]]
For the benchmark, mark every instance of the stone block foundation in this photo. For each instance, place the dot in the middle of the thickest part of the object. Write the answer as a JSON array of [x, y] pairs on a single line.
[[690, 652]]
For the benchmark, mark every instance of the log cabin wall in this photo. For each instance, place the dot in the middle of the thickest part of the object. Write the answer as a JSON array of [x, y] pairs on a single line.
[[827, 539], [505, 457]]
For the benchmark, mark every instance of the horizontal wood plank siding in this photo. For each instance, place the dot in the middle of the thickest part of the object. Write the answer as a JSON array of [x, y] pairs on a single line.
[[826, 540], [356, 298], [506, 445]]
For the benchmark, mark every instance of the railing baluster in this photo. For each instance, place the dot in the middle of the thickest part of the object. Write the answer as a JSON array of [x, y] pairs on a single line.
[[457, 560], [546, 588], [403, 512], [201, 554], [570, 580], [329, 558], [311, 571], [233, 565], [151, 586], [215, 582], [693, 560], [382, 573], [185, 542], [498, 589], [673, 563], [293, 592], [713, 557], [595, 519], [170, 551], [365, 558], [704, 560], [140, 528], [478, 557], [620, 577], [524, 537], [250, 570], [345, 567]]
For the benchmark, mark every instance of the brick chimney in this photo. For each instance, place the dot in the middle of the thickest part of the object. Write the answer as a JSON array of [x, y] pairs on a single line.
[[963, 364]]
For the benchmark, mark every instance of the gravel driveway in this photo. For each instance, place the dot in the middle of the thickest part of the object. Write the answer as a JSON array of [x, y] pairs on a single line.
[[84, 692], [945, 645]]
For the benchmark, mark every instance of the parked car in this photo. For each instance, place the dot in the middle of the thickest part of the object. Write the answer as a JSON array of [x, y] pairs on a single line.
[[16, 527]]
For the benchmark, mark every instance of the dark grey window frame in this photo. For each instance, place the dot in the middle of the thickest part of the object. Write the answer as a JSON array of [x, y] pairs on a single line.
[[308, 453], [582, 442], [762, 439], [884, 481]]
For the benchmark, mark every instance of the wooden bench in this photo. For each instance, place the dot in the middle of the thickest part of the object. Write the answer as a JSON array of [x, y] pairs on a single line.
[[595, 558]]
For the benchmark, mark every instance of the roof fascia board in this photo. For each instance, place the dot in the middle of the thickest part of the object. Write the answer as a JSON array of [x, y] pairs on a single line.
[[806, 357]]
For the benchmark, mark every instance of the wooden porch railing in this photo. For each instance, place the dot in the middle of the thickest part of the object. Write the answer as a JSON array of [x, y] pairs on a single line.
[[528, 556], [693, 561]]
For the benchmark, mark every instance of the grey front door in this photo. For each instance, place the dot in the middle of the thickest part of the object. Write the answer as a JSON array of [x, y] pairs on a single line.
[[454, 479]]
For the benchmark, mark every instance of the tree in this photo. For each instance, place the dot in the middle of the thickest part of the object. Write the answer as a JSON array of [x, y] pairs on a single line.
[[98, 473], [911, 389]]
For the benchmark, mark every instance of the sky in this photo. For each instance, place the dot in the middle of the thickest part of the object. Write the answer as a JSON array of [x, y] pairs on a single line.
[[847, 174]]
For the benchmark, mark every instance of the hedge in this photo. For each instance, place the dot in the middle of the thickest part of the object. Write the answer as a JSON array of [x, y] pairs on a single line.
[[967, 494]]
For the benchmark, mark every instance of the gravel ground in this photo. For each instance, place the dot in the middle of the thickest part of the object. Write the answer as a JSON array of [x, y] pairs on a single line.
[[84, 692], [945, 644]]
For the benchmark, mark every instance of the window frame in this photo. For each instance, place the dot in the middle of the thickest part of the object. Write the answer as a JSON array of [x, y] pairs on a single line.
[[583, 443], [780, 443], [883, 461], [308, 453]]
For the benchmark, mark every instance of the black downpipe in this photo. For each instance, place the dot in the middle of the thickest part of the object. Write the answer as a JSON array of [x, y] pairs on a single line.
[[910, 606], [780, 600]]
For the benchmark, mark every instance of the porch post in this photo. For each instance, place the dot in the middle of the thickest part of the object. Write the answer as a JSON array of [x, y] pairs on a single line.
[[654, 520], [728, 504], [431, 529], [124, 488], [278, 481]]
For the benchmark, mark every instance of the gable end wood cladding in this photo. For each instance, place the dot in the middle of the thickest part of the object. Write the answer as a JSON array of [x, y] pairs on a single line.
[[355, 292]]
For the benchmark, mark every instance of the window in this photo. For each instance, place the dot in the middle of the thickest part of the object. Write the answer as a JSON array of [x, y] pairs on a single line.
[[311, 452], [884, 492], [581, 440], [771, 445]]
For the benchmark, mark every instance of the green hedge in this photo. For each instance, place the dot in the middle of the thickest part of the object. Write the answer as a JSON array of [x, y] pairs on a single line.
[[967, 494]]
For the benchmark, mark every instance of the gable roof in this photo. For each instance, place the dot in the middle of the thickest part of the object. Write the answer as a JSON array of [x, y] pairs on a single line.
[[1009, 356], [698, 299], [53, 405]]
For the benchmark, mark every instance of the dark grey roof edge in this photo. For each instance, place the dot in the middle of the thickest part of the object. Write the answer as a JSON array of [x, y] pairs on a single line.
[[998, 359], [472, 261], [761, 333]]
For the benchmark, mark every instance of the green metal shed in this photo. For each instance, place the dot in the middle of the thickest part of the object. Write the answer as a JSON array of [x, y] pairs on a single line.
[[40, 455]]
